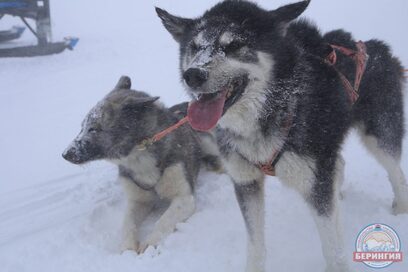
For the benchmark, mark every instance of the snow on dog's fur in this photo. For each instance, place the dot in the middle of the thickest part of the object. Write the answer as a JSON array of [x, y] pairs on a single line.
[[165, 171], [249, 70]]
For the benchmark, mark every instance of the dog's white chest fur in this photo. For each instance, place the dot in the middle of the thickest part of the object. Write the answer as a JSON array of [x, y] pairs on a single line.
[[257, 148], [143, 167]]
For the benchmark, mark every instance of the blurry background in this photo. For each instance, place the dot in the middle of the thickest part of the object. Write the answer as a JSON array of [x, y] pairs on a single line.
[[59, 217]]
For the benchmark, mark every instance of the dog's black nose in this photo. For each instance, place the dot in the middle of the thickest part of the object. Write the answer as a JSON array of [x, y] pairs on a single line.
[[195, 77], [69, 155]]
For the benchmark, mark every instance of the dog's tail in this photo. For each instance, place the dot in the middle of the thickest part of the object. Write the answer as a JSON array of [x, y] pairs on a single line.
[[385, 62], [340, 37], [308, 36], [381, 104]]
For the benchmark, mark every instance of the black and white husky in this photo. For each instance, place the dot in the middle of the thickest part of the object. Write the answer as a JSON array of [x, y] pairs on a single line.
[[249, 73], [165, 171]]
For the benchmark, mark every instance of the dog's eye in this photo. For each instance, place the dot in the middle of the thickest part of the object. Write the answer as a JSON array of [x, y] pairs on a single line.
[[94, 130], [233, 46], [194, 47]]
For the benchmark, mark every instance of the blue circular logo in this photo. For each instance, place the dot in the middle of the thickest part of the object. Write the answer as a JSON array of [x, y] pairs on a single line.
[[378, 246]]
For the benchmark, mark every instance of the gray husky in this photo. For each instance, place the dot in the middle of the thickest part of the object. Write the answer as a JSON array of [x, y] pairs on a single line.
[[166, 170], [267, 92]]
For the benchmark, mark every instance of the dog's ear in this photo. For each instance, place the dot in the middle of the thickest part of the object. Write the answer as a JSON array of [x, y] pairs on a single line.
[[138, 101], [290, 12], [133, 105], [284, 15], [124, 83], [175, 25], [148, 100]]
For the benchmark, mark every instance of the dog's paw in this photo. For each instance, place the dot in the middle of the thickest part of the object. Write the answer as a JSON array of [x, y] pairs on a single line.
[[399, 207], [151, 241], [129, 245], [342, 267], [141, 248], [254, 269], [255, 266], [144, 247]]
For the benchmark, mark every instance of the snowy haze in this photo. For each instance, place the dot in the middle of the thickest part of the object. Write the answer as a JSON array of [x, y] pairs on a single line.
[[55, 216]]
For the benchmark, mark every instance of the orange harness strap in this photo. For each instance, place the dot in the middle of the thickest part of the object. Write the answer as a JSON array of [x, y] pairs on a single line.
[[158, 136], [169, 130]]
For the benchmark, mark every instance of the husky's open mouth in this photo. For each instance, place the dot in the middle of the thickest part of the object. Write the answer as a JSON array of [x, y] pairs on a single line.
[[204, 113]]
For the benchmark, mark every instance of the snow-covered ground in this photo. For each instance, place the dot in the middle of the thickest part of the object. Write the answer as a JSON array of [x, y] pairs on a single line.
[[59, 217]]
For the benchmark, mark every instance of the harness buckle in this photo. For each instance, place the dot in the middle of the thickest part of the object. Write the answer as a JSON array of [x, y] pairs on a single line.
[[268, 169], [144, 144]]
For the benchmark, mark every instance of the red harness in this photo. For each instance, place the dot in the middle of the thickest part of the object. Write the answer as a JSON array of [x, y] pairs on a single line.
[[269, 168], [359, 56]]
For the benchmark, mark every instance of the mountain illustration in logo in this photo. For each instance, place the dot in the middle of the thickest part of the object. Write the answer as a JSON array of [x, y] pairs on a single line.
[[378, 242]]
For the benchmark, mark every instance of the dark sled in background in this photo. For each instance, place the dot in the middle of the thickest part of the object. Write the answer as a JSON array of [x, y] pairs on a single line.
[[39, 11]]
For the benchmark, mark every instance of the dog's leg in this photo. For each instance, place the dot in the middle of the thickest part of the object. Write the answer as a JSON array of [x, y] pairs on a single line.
[[211, 155], [325, 211], [318, 184], [180, 209], [250, 197], [173, 185], [340, 178], [395, 175], [330, 232], [249, 189], [139, 205]]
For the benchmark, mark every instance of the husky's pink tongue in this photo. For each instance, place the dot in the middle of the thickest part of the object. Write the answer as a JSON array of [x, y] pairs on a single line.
[[204, 113]]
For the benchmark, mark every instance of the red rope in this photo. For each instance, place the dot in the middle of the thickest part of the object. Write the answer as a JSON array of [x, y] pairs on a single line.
[[162, 134], [158, 136]]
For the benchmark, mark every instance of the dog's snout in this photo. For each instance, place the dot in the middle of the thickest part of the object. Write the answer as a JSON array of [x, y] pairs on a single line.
[[72, 155], [195, 77], [69, 154]]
